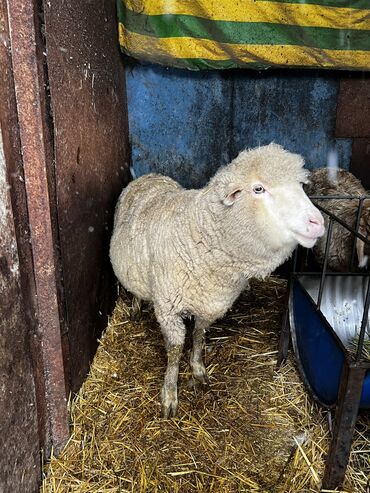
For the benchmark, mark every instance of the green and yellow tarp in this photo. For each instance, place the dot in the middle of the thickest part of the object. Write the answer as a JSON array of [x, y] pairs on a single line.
[[215, 34]]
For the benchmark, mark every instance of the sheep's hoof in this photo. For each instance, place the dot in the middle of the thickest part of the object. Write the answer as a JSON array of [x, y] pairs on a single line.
[[169, 402], [200, 374]]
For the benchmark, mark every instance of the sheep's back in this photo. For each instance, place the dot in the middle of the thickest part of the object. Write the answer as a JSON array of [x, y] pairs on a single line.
[[341, 241], [142, 194], [138, 224], [344, 184]]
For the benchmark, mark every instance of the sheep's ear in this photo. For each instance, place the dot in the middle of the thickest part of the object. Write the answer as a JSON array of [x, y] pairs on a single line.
[[232, 196]]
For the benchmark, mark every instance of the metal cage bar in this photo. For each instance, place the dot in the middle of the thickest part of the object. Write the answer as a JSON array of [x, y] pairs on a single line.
[[355, 368], [327, 247], [358, 219]]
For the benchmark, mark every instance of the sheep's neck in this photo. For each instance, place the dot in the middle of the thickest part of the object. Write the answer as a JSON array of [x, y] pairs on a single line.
[[226, 246]]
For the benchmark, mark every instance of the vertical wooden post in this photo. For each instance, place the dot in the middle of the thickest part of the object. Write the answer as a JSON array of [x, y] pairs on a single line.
[[19, 426], [88, 99], [37, 155], [344, 424]]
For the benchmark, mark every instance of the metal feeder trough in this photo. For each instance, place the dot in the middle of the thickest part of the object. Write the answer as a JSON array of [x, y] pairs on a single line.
[[328, 321], [321, 335]]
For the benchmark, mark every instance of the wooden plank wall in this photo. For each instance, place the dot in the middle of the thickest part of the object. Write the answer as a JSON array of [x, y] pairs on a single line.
[[88, 107], [63, 163], [19, 421], [19, 459], [353, 121]]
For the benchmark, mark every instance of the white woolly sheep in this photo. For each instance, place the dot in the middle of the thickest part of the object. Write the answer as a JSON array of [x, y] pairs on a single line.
[[341, 244], [191, 252]]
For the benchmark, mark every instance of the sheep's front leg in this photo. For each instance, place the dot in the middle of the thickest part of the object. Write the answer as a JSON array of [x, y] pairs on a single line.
[[196, 360], [173, 330]]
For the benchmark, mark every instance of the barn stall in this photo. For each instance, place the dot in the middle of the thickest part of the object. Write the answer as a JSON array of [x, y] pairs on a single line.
[[65, 157]]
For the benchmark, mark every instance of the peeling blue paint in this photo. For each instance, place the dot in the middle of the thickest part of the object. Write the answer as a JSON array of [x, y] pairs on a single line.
[[187, 124]]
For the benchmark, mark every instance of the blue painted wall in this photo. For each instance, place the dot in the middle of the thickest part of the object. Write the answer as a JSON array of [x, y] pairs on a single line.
[[187, 124]]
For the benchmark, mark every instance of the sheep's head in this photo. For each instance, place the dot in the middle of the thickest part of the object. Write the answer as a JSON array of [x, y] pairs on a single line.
[[264, 187]]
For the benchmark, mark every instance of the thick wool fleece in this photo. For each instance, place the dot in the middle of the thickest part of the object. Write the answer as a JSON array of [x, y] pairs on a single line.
[[187, 251], [341, 239]]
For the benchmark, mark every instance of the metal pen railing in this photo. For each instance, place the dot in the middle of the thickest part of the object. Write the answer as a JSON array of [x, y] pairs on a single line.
[[324, 273]]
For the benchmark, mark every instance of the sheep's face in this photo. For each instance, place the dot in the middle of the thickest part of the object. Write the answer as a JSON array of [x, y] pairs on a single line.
[[266, 185], [284, 213], [287, 212]]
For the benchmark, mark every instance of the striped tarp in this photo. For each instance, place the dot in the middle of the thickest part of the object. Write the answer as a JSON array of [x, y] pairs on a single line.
[[208, 34]]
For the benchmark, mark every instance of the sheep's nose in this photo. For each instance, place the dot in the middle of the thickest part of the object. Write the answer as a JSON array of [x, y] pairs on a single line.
[[314, 220], [316, 225]]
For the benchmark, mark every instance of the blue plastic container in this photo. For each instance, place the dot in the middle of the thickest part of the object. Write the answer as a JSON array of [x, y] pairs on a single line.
[[319, 349]]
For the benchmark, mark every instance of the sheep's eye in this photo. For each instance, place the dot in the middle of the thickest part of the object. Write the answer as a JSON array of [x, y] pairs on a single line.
[[258, 189]]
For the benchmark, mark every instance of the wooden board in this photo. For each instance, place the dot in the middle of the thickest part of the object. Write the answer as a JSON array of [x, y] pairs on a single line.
[[353, 108], [62, 166], [90, 139], [360, 163], [19, 460]]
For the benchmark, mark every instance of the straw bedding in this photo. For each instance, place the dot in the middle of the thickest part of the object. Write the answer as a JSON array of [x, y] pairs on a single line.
[[352, 347], [254, 429]]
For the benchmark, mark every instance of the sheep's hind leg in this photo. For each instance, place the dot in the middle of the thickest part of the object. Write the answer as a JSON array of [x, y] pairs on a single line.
[[173, 330], [196, 360]]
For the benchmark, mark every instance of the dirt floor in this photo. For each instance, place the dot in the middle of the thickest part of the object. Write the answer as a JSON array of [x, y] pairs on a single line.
[[253, 429]]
